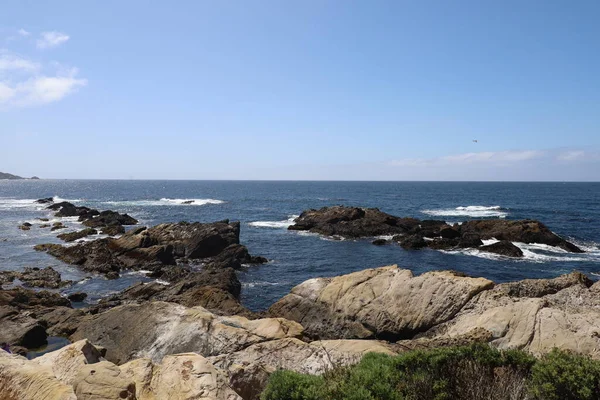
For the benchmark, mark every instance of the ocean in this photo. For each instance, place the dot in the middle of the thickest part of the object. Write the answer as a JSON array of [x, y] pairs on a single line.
[[267, 208]]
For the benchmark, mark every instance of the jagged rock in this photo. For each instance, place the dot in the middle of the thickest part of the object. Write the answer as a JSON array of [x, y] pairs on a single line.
[[156, 329], [469, 240], [23, 380], [352, 222], [43, 278], [534, 315], [46, 200], [525, 231], [66, 209], [217, 244], [412, 242], [19, 308], [249, 369], [504, 248], [72, 236], [113, 230], [25, 227], [108, 218], [385, 302], [77, 297]]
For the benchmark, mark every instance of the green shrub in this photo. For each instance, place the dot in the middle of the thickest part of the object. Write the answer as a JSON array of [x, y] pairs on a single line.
[[476, 372], [560, 375]]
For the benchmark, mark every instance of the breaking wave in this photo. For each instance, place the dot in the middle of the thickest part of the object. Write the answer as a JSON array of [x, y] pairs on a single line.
[[275, 224], [166, 202], [470, 211]]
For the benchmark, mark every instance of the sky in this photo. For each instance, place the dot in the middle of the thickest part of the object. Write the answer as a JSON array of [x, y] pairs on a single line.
[[311, 89]]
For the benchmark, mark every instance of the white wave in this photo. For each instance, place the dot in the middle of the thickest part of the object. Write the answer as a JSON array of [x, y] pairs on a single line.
[[384, 237], [275, 224], [165, 202], [161, 282], [10, 203], [58, 199], [469, 211], [259, 284]]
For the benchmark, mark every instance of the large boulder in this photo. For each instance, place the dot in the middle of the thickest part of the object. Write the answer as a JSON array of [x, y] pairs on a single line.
[[387, 302], [352, 222], [23, 380], [72, 236], [156, 329], [534, 315], [503, 248], [178, 377]]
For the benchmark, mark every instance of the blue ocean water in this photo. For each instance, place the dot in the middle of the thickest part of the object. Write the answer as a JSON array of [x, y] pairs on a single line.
[[265, 209]]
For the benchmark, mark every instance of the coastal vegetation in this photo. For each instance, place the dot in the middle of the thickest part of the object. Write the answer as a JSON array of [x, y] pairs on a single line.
[[474, 372]]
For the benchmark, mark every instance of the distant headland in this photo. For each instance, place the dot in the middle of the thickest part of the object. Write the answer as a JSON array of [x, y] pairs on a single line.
[[4, 175]]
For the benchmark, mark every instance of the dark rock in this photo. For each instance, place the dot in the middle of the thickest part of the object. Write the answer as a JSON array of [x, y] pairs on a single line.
[[77, 297], [449, 233], [45, 226], [25, 227], [504, 248], [44, 278], [57, 226], [44, 219], [525, 231], [72, 236], [108, 218], [46, 200], [413, 242], [35, 178], [379, 242], [352, 222], [443, 243], [469, 240], [113, 230]]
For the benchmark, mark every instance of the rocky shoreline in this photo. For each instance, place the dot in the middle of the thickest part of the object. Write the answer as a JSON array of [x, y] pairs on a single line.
[[188, 333]]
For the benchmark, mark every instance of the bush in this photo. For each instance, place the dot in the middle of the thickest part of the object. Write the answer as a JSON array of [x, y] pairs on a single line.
[[564, 376], [476, 372]]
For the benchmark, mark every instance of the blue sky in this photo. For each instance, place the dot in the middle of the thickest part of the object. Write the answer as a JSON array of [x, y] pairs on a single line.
[[380, 90]]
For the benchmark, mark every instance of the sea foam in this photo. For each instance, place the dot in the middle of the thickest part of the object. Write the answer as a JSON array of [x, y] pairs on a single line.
[[470, 211], [275, 224]]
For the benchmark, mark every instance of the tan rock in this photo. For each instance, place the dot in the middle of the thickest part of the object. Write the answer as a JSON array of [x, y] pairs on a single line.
[[155, 329], [66, 362], [250, 368], [23, 380], [103, 381], [386, 302]]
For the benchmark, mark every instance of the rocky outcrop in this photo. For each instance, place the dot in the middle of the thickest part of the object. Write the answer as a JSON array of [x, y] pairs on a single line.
[[352, 222], [72, 236], [216, 244], [156, 329], [413, 234], [35, 277], [20, 315], [503, 248], [387, 302], [24, 380], [108, 218]]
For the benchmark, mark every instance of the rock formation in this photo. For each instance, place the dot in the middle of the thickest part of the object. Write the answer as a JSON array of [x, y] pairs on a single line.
[[411, 234]]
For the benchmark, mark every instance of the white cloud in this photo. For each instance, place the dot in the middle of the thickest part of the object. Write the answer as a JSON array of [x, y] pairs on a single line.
[[51, 39], [571, 155], [25, 83], [23, 32], [486, 157], [10, 62]]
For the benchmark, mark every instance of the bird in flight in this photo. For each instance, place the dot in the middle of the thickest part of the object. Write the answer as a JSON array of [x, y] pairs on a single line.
[[474, 140]]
